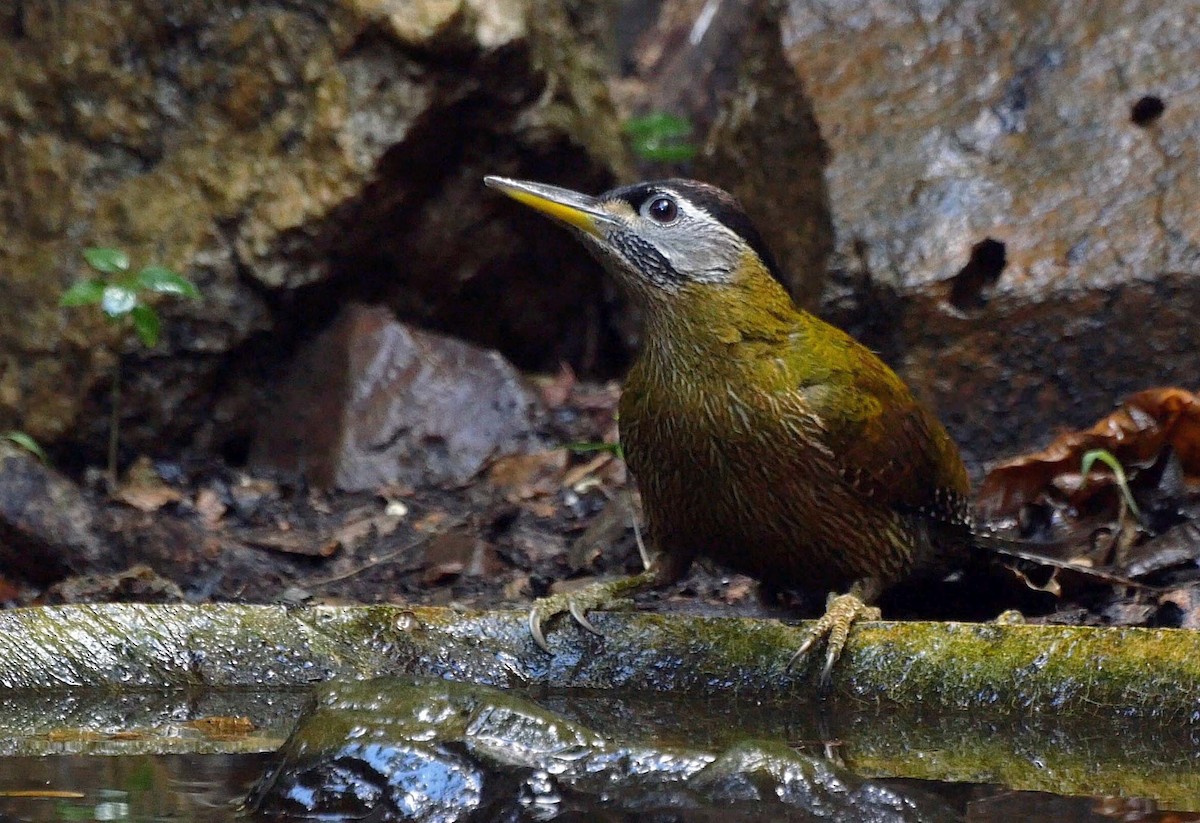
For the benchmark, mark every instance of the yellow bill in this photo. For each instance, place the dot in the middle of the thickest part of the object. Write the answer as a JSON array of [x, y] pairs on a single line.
[[582, 211]]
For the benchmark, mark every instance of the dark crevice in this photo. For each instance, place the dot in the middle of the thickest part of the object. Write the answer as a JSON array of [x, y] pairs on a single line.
[[988, 259], [1147, 110]]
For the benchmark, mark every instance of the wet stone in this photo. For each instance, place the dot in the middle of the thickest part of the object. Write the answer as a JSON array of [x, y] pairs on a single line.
[[386, 781], [523, 759], [47, 524], [373, 402]]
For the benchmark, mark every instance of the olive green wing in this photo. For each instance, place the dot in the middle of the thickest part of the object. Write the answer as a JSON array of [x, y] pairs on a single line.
[[889, 446]]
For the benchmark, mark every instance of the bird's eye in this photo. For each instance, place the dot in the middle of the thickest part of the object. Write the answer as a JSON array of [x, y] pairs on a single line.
[[662, 210]]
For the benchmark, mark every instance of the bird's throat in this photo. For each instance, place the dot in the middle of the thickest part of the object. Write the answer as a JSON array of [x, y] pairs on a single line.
[[705, 330]]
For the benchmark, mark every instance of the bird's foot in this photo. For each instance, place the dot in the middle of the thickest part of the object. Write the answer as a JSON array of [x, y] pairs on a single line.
[[608, 594], [841, 612]]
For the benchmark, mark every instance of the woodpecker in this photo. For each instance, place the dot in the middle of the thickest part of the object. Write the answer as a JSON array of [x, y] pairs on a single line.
[[760, 436]]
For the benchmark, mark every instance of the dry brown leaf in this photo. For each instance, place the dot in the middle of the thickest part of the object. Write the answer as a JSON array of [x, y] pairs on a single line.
[[431, 522], [1177, 546], [458, 552], [577, 474], [601, 398], [1187, 600], [1051, 586], [8, 591], [294, 541], [148, 497], [523, 476], [349, 535], [740, 588], [544, 509], [1135, 433]]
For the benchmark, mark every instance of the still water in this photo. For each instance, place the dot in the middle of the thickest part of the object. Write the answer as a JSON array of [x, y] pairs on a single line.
[[408, 749]]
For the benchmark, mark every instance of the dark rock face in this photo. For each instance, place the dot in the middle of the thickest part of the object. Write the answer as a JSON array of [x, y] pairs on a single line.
[[722, 66], [287, 157], [48, 528], [372, 402], [1000, 168]]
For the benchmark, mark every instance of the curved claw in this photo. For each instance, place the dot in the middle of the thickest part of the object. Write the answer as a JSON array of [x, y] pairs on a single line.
[[606, 594], [831, 656], [803, 650], [841, 613], [545, 609], [580, 616], [535, 630]]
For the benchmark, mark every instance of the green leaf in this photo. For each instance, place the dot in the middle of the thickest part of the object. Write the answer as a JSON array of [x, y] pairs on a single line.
[[164, 281], [83, 293], [660, 137], [1109, 459], [665, 153], [146, 324], [108, 261], [659, 125], [118, 300], [595, 446], [26, 442]]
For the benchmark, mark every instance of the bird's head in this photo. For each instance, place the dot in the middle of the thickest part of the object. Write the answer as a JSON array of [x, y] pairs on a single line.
[[662, 238]]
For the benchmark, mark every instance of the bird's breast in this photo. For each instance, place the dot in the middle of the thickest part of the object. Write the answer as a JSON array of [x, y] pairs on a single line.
[[745, 475]]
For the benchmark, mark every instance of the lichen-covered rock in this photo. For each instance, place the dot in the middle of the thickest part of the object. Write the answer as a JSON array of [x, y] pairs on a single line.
[[285, 156], [372, 402], [1025, 177]]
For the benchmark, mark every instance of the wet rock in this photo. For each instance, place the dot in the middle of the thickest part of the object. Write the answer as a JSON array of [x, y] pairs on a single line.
[[760, 771], [1025, 183], [376, 782], [372, 401], [48, 527], [467, 752], [286, 157]]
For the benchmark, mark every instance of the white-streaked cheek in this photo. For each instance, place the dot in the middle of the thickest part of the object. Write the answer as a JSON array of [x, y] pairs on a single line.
[[700, 251]]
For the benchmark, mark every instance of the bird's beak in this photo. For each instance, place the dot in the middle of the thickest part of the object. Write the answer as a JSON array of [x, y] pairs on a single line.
[[571, 207]]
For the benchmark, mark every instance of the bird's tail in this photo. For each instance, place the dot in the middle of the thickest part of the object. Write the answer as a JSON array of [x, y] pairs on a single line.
[[1027, 552]]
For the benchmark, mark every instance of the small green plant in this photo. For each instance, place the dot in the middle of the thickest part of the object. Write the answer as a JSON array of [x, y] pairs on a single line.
[[26, 442], [121, 295], [661, 137], [1109, 459], [598, 446]]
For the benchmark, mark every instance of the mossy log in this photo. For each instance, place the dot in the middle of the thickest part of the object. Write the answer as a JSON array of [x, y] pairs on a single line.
[[1033, 669]]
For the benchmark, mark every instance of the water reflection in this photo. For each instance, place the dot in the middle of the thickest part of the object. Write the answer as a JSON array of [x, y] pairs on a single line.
[[407, 749], [140, 789]]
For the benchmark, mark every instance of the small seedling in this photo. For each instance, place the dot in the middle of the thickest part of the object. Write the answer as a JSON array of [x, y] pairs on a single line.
[[121, 294], [1109, 459], [596, 446], [660, 137], [26, 442]]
